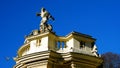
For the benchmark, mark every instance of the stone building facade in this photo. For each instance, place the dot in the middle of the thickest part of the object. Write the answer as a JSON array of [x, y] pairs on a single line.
[[44, 49], [47, 50]]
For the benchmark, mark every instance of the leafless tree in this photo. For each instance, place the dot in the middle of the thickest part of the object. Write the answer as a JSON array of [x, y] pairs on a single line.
[[111, 60]]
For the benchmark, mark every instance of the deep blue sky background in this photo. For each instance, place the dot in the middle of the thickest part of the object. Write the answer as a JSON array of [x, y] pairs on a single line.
[[98, 18]]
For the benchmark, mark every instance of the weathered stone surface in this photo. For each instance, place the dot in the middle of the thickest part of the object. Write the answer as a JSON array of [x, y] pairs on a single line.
[[52, 59]]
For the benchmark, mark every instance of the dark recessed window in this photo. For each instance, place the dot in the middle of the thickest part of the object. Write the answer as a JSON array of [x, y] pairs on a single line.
[[82, 44], [92, 45]]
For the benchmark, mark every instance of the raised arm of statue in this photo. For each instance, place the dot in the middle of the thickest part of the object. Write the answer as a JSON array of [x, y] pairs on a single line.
[[52, 18], [38, 14]]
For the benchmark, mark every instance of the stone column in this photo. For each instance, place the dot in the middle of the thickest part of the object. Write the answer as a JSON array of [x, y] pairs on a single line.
[[72, 65]]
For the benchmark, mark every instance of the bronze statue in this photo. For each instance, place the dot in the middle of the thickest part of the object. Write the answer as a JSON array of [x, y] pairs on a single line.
[[45, 17]]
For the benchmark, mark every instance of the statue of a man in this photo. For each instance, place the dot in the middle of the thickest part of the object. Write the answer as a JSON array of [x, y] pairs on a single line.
[[45, 17]]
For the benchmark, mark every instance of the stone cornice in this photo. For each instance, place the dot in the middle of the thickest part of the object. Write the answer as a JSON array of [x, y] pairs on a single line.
[[23, 48], [58, 59], [29, 58]]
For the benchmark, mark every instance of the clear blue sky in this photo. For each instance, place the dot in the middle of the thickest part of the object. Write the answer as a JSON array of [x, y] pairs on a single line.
[[98, 18]]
